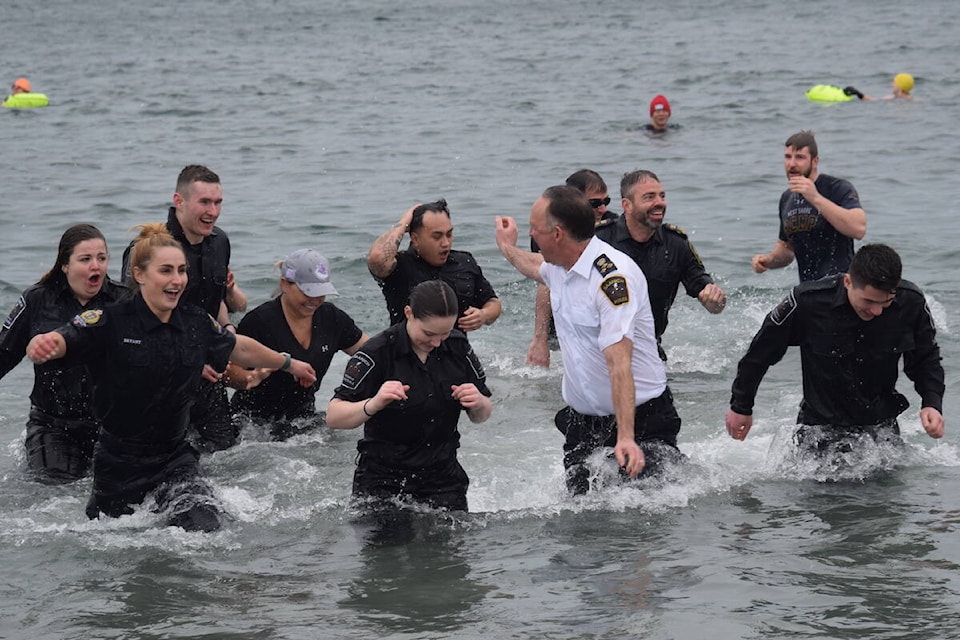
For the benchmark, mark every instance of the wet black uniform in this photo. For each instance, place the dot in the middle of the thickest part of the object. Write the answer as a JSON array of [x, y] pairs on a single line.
[[667, 259], [460, 271], [850, 366], [147, 373], [207, 262], [409, 449], [819, 248], [62, 427], [280, 399]]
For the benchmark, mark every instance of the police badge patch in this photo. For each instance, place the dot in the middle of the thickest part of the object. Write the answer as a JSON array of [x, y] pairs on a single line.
[[88, 318], [615, 288], [15, 313], [357, 369], [784, 309], [604, 265], [476, 365]]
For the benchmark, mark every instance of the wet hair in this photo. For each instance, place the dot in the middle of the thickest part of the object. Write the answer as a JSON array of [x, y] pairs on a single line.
[[440, 206], [68, 242], [569, 208], [632, 179], [152, 236], [876, 265], [803, 139], [587, 180], [433, 299], [195, 173]]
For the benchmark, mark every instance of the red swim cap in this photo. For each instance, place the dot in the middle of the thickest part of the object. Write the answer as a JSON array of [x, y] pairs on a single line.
[[659, 102], [22, 83]]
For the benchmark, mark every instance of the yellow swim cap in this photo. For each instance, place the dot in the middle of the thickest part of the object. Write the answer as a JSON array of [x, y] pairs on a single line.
[[904, 82]]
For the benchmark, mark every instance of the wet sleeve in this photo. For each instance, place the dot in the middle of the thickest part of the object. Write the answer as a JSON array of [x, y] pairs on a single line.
[[362, 378], [14, 336], [766, 349], [924, 365], [695, 276]]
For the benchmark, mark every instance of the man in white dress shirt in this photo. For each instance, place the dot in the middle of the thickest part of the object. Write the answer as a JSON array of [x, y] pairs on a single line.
[[613, 380]]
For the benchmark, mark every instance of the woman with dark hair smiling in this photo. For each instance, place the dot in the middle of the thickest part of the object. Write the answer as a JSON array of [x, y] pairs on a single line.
[[62, 428], [408, 386], [148, 354]]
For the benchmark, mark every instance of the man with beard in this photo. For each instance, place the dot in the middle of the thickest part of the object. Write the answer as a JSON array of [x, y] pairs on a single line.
[[662, 251], [430, 256], [820, 216]]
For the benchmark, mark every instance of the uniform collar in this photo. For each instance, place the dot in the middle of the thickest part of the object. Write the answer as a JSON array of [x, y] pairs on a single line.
[[621, 233], [173, 226], [584, 263], [150, 320]]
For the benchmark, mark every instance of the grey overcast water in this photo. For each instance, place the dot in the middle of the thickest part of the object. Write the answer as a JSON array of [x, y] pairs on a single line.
[[325, 121]]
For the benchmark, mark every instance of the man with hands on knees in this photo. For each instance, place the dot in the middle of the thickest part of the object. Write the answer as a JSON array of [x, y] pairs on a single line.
[[853, 329], [430, 256], [613, 380]]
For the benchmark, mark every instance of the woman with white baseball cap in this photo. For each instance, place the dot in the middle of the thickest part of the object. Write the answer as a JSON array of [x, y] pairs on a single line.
[[300, 322]]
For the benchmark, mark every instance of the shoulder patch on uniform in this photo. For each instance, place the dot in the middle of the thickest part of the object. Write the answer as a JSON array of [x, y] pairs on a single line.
[[677, 230], [615, 288], [88, 318], [475, 364], [604, 265], [18, 309], [359, 366], [784, 309]]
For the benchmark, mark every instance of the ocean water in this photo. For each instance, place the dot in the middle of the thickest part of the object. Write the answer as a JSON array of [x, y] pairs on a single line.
[[325, 121]]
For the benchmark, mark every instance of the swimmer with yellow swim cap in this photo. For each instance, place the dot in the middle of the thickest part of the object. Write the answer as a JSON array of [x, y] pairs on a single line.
[[902, 86]]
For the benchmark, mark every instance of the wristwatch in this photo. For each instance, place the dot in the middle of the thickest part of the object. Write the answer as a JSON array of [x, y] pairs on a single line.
[[287, 360]]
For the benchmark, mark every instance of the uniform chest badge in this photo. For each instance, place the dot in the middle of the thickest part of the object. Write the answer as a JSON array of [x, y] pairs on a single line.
[[615, 288], [88, 318]]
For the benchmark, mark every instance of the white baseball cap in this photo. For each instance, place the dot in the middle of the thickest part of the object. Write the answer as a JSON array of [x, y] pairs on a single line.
[[310, 271]]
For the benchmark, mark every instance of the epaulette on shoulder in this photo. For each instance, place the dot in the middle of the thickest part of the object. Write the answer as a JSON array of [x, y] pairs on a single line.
[[909, 286], [827, 282], [675, 229], [603, 224]]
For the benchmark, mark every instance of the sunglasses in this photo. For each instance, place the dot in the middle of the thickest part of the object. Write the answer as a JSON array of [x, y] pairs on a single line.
[[596, 203]]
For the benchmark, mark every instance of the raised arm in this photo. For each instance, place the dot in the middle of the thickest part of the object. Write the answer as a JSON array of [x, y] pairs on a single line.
[[526, 262], [382, 258], [780, 256]]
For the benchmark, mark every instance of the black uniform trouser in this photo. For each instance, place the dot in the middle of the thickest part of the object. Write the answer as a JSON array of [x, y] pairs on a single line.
[[442, 485], [210, 416], [59, 450], [125, 472], [827, 439], [656, 425]]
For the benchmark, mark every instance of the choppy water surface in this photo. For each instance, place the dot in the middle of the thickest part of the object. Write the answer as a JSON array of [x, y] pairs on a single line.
[[325, 122]]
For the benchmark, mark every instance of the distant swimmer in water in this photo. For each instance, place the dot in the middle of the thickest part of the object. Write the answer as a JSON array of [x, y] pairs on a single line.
[[22, 97], [900, 90], [659, 116]]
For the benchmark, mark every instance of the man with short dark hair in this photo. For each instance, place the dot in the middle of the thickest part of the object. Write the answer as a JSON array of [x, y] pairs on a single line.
[[853, 329], [431, 256], [662, 251], [613, 381], [591, 184], [820, 216], [192, 220]]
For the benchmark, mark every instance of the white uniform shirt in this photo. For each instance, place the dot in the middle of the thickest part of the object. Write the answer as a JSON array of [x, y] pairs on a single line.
[[598, 302]]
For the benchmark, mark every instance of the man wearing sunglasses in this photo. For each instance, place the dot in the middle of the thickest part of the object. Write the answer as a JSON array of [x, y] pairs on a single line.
[[588, 182], [431, 256], [663, 252]]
